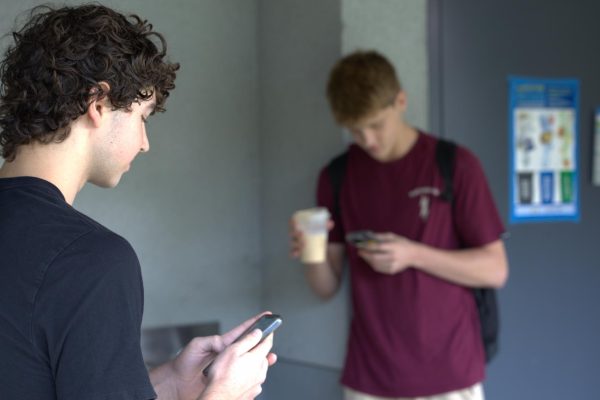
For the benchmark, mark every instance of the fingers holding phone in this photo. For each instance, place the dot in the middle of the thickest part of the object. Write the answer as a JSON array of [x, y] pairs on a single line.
[[242, 367], [387, 253], [263, 327], [365, 240], [235, 333], [238, 372]]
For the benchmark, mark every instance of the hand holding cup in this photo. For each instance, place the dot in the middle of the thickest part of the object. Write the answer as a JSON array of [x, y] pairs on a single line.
[[308, 235]]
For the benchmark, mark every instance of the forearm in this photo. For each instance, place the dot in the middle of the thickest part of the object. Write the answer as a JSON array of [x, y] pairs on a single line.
[[165, 385], [325, 278], [211, 393], [161, 379], [322, 279], [484, 266]]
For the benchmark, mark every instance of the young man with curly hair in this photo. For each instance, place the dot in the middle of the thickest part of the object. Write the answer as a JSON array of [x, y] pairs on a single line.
[[415, 328], [78, 85]]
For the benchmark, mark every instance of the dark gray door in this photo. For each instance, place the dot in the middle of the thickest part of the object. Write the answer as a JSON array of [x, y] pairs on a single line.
[[550, 319]]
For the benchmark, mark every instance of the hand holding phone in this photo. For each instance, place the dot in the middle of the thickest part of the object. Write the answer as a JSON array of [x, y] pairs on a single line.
[[361, 239], [267, 325]]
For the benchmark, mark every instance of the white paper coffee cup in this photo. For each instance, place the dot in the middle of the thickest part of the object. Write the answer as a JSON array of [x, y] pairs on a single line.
[[313, 224]]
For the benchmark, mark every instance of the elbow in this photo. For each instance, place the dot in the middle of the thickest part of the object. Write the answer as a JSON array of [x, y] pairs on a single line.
[[325, 294], [498, 263], [500, 276], [324, 290]]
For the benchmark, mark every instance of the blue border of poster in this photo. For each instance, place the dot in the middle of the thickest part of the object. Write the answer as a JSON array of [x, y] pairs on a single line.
[[543, 203]]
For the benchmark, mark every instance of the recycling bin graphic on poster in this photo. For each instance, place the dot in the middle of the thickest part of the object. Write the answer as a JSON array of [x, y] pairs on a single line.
[[543, 149]]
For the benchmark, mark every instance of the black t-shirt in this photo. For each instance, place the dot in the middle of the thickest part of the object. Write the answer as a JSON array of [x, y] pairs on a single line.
[[71, 302]]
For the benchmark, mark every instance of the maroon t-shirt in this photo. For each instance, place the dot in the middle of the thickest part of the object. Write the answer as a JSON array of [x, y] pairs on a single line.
[[412, 334]]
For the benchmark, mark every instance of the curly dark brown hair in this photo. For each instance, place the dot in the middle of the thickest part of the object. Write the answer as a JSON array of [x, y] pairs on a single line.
[[62, 59]]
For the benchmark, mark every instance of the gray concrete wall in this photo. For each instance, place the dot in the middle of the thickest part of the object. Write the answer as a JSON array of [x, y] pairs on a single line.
[[298, 43], [190, 207], [398, 29]]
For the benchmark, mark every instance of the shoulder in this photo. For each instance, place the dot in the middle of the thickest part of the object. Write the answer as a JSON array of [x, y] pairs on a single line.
[[102, 243], [427, 140], [466, 164], [98, 254], [98, 268], [465, 156], [95, 238], [335, 166], [340, 158], [466, 161], [105, 243]]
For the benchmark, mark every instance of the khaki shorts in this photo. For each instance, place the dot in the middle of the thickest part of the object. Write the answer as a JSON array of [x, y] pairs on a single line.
[[474, 392]]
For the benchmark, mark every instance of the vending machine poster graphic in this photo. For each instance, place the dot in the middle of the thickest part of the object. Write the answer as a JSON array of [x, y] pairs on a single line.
[[543, 115]]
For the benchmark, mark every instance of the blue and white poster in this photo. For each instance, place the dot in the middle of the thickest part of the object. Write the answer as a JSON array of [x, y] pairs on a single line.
[[543, 149]]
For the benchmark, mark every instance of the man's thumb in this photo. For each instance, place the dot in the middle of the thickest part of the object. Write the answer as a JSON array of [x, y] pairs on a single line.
[[248, 342]]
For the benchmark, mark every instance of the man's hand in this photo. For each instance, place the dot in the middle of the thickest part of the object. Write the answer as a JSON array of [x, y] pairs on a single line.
[[297, 237], [483, 266], [391, 254], [237, 372]]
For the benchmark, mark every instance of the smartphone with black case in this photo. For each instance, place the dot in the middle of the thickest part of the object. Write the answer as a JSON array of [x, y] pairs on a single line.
[[267, 324]]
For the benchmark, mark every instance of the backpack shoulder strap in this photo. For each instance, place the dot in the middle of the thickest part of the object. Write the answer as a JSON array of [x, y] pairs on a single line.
[[485, 298], [336, 170], [444, 158]]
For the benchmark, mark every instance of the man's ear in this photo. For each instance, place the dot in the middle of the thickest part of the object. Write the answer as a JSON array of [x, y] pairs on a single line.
[[401, 101], [98, 105]]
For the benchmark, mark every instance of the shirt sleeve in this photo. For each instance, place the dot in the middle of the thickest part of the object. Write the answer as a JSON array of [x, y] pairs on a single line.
[[325, 199], [87, 320], [476, 217]]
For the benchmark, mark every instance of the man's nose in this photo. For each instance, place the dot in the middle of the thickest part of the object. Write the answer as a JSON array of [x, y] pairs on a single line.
[[145, 143]]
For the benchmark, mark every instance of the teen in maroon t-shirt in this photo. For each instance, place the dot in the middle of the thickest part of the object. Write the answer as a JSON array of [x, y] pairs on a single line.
[[415, 328]]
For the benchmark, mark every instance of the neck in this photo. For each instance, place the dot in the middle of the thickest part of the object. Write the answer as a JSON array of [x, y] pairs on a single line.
[[58, 163], [406, 139]]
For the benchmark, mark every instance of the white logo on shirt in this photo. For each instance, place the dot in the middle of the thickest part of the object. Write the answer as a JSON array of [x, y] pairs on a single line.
[[424, 194]]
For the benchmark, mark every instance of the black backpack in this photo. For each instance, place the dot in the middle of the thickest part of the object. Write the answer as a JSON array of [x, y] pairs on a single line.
[[485, 298]]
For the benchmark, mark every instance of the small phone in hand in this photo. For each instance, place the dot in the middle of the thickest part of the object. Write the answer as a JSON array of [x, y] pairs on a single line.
[[361, 238], [267, 324]]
